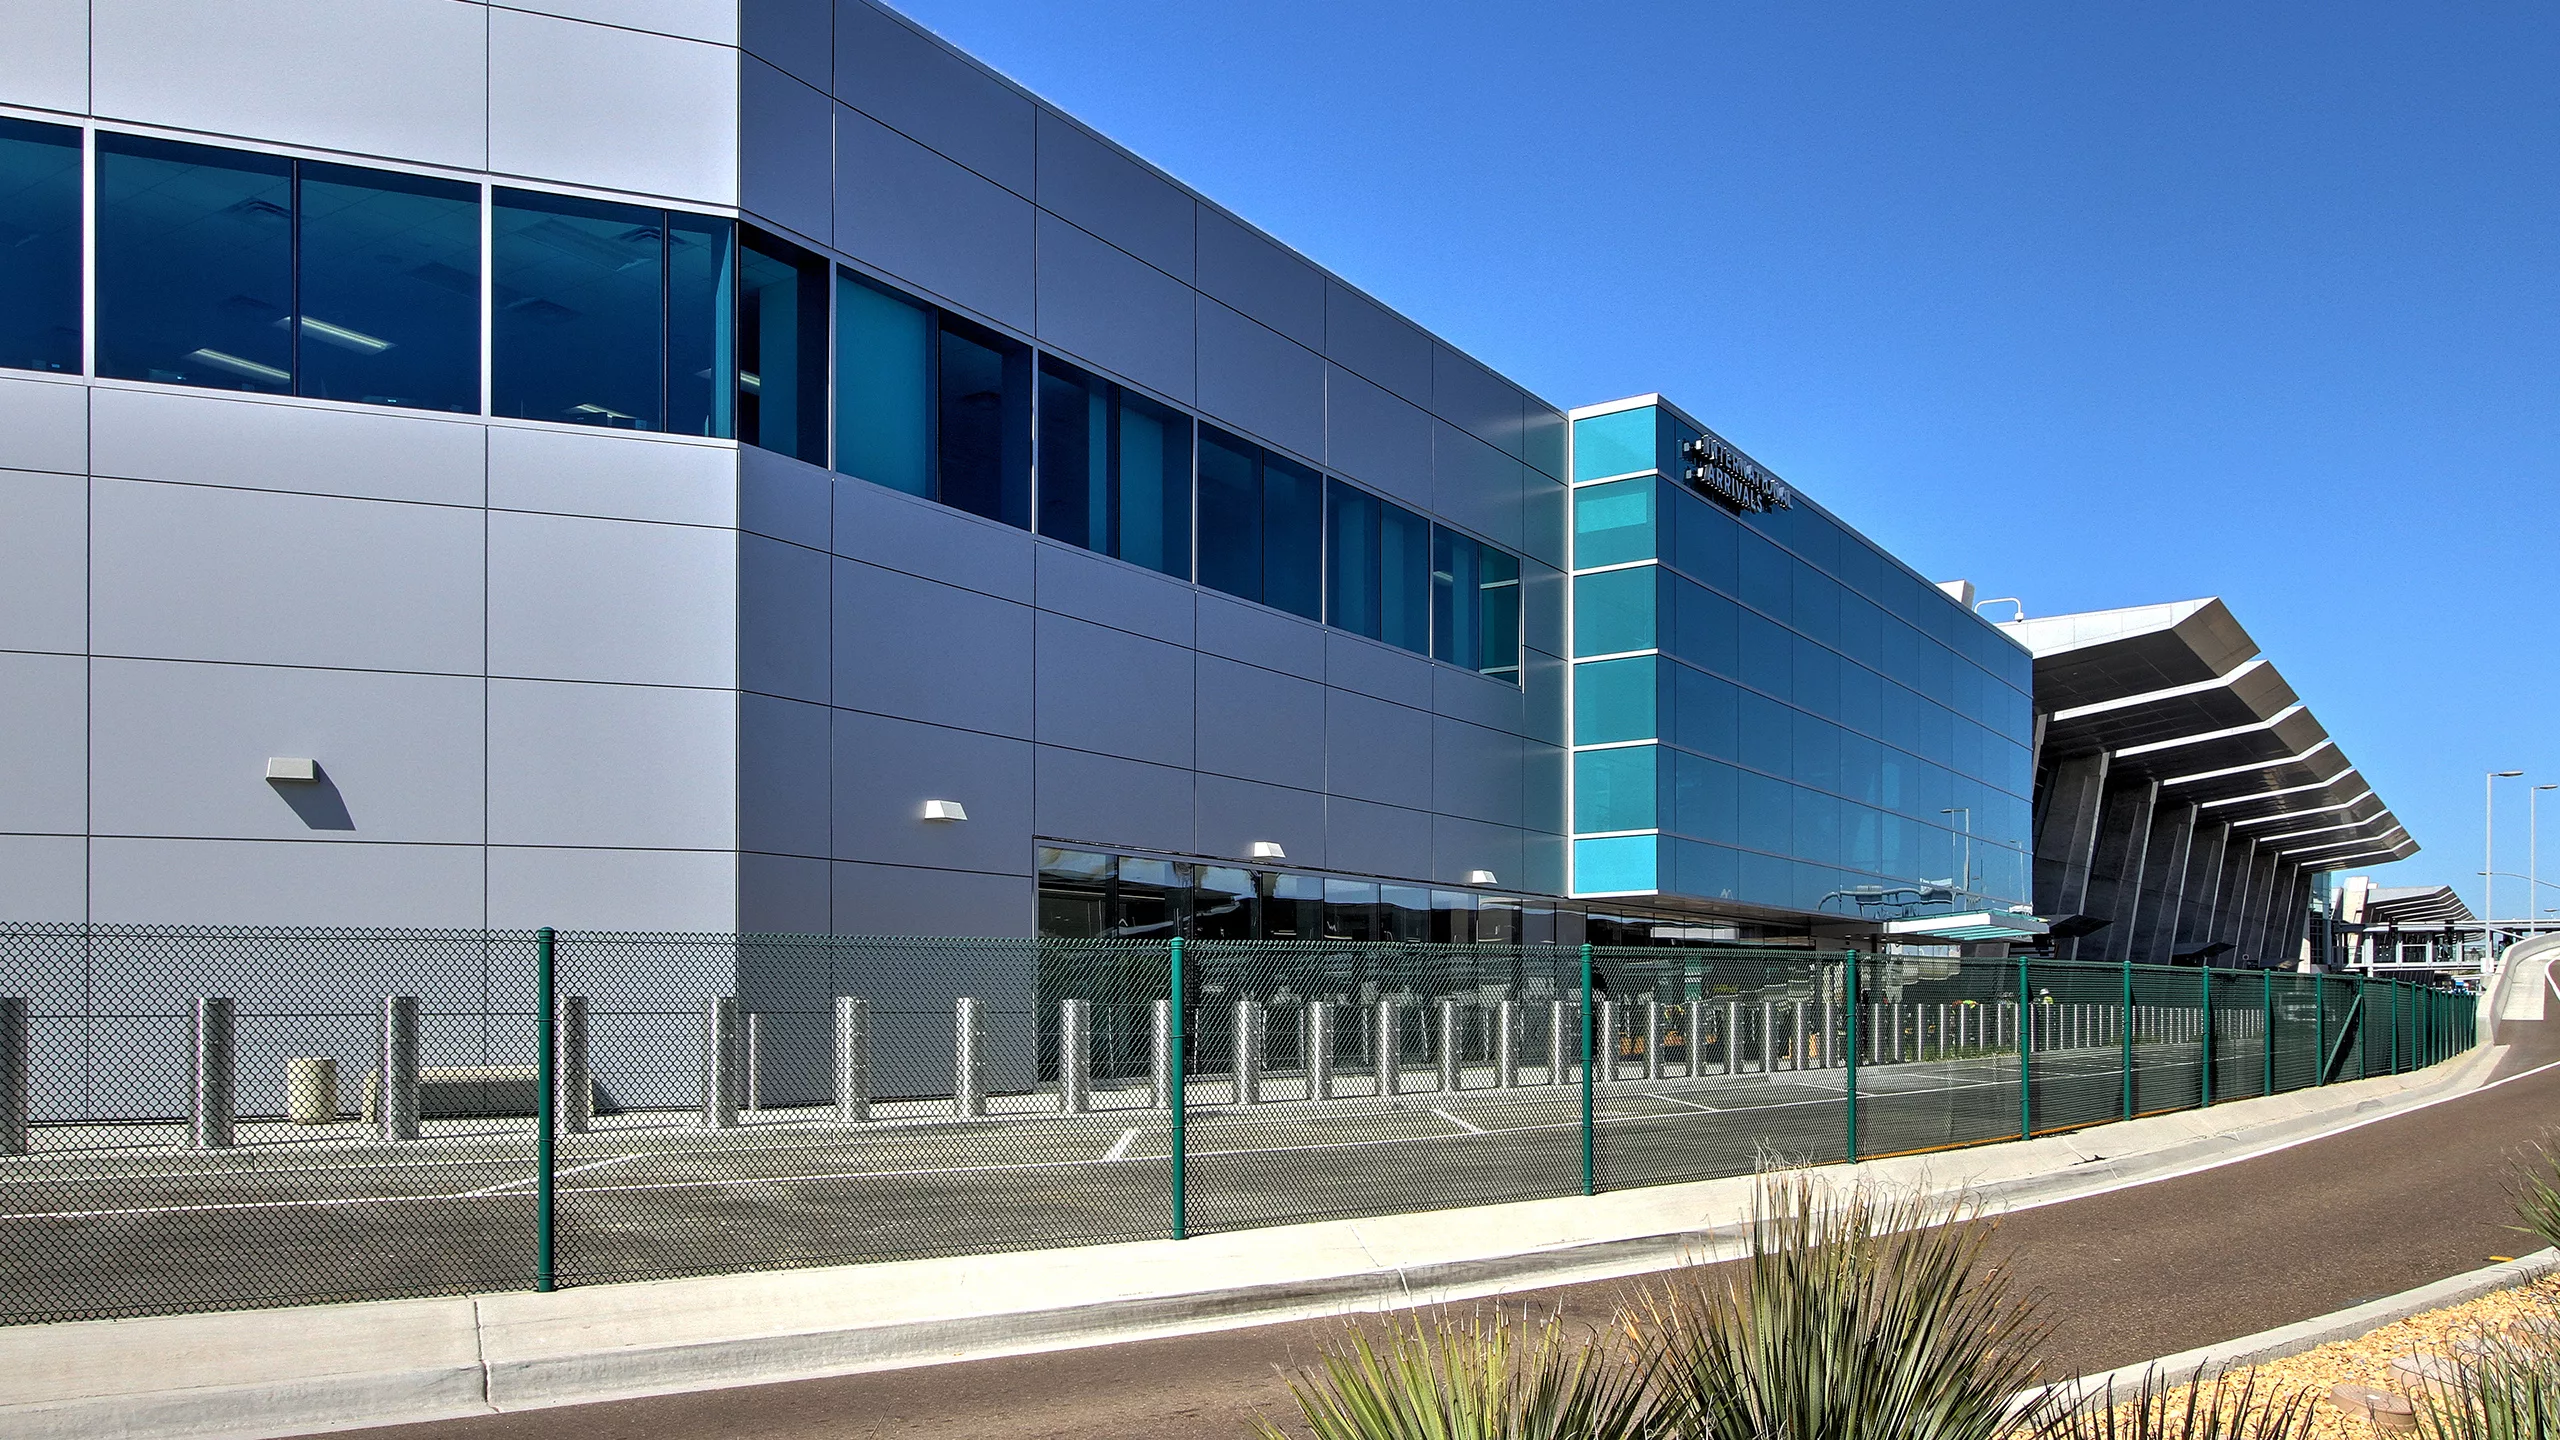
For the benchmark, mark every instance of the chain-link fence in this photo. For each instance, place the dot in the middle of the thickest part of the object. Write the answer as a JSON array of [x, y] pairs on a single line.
[[206, 1118]]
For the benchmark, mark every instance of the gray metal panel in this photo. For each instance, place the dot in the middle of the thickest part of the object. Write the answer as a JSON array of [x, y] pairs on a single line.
[[1542, 592], [1236, 813], [1459, 846], [904, 532], [577, 599], [623, 109], [1479, 401], [1543, 518], [181, 749], [194, 573], [784, 498], [44, 54], [1543, 770], [797, 35], [403, 78], [900, 900], [611, 476], [1478, 699], [1376, 438], [1260, 381], [714, 21], [1096, 685], [44, 879], [1254, 274], [1091, 182], [785, 612], [258, 445], [1104, 306], [886, 769], [1475, 485], [1257, 724], [1109, 592], [606, 765], [918, 216], [786, 150], [44, 561], [1244, 631], [44, 716], [1542, 438], [1371, 668], [922, 651], [785, 895], [1097, 800], [1368, 839], [44, 425], [1543, 684], [612, 889], [1378, 344], [1475, 772], [904, 80], [282, 882], [1542, 866], [785, 754], [1377, 751]]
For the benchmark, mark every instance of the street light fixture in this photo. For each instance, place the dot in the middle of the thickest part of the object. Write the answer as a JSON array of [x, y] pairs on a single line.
[[2489, 867], [2533, 850]]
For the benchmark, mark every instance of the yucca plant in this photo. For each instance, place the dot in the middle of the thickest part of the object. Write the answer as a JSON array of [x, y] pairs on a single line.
[[2158, 1411], [1487, 1376], [2537, 1192], [1864, 1316], [2505, 1385]]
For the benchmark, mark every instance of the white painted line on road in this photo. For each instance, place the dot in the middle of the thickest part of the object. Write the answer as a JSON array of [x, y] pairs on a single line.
[[505, 1185], [1120, 1148], [1461, 1124], [1692, 1104]]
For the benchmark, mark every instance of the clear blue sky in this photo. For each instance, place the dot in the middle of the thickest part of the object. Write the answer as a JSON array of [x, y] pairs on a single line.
[[2093, 304]]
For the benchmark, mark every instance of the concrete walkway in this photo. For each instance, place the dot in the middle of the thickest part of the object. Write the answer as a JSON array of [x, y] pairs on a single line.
[[1146, 1305]]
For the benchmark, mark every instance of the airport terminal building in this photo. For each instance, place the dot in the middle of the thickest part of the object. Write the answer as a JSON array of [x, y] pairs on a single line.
[[749, 467]]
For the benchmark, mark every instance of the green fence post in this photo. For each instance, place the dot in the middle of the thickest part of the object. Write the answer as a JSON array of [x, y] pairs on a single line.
[[2125, 1032], [546, 1110], [1590, 1171], [2026, 1059], [1174, 1099], [1850, 987], [2268, 1021], [2320, 1046], [2204, 1035]]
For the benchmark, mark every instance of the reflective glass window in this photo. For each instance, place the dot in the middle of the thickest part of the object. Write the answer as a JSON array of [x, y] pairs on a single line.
[[1861, 768], [577, 332], [1613, 611], [1230, 514], [1292, 537], [1768, 578], [1767, 809], [1614, 700], [1817, 826], [389, 288], [1615, 789], [40, 235], [1704, 540], [1351, 560], [782, 348], [1292, 907], [1617, 863], [1816, 752], [1861, 629], [1861, 699], [1816, 600], [1115, 470], [1614, 444], [1075, 456], [1706, 798], [1816, 682], [884, 420], [1704, 713], [195, 265], [1861, 837], [1707, 629], [1404, 581], [1351, 910], [1404, 913], [1498, 613], [702, 357], [1710, 872], [1768, 655], [1613, 523], [1768, 734], [1225, 904], [982, 420], [1455, 580]]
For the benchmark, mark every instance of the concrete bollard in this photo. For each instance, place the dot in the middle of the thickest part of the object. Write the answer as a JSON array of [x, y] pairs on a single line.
[[1506, 1044], [1559, 1031], [1160, 1057], [1453, 1019], [400, 1068], [968, 1060], [1652, 1037], [311, 1089], [1389, 1064], [853, 1059], [1075, 1056], [576, 1106], [14, 1098], [215, 1073], [1320, 1049], [720, 1042], [1249, 1039]]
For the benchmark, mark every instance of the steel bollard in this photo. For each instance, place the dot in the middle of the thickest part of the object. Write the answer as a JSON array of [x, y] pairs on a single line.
[[1506, 1044], [1700, 1012], [1732, 1037], [1389, 1065], [576, 1105], [1075, 1056], [1160, 1057], [1453, 1018], [1248, 1052], [968, 1060], [1767, 1055], [1319, 1049], [755, 1061], [1557, 1022], [720, 1063], [400, 1068], [13, 1075], [853, 1059], [214, 1073], [1604, 1044], [1795, 1035]]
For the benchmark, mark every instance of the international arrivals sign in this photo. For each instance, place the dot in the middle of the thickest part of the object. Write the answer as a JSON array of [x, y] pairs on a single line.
[[1724, 473]]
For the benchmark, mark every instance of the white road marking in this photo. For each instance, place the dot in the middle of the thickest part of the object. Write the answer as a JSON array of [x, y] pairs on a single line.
[[1692, 1104], [1461, 1124], [505, 1185], [1120, 1148]]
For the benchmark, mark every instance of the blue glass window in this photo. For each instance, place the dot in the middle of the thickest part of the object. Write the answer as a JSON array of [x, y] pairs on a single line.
[[932, 404], [1706, 798], [1615, 789], [1618, 863], [1614, 444], [1861, 699], [1768, 734], [389, 288], [1404, 588], [1706, 629], [1767, 808], [578, 329], [1613, 523], [1455, 577], [195, 265], [1292, 537], [702, 287], [40, 234], [1704, 713], [1614, 700], [1498, 613], [782, 348], [1816, 598], [1710, 872], [1115, 470], [884, 417], [1816, 752], [1768, 578], [1816, 682], [1613, 611], [1817, 826], [1351, 560], [1703, 542], [1768, 656], [1261, 525], [982, 423]]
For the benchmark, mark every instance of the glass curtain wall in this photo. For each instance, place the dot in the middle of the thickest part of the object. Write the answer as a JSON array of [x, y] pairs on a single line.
[[1261, 525], [930, 404], [612, 315], [782, 347], [40, 238], [1115, 470]]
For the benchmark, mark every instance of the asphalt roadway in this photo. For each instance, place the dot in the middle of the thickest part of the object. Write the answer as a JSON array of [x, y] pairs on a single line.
[[2125, 1276]]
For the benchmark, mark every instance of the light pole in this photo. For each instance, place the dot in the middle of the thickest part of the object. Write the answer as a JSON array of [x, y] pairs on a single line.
[[2489, 867], [2533, 855]]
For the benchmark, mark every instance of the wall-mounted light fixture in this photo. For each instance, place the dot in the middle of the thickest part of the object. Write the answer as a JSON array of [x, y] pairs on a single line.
[[945, 810], [293, 770], [1265, 850], [1481, 877]]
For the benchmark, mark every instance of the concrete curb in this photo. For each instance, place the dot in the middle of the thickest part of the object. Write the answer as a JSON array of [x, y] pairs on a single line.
[[260, 1374], [2206, 1361]]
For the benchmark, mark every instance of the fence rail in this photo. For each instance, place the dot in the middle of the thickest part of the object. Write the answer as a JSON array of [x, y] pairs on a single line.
[[197, 1118]]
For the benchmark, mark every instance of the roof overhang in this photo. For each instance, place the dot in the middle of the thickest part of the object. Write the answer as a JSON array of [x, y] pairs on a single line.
[[1974, 925]]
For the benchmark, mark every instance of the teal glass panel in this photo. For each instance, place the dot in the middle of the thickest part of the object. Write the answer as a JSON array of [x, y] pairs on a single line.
[[1151, 486], [1704, 713], [1074, 456], [1768, 578], [1615, 444], [1767, 813], [1709, 872], [1404, 585], [1351, 560], [1615, 789], [1498, 612], [1618, 863], [1614, 611], [884, 419], [1455, 576], [1292, 537], [40, 233], [1614, 700], [782, 348], [702, 265], [1613, 523], [1706, 628], [1706, 798], [1704, 538]]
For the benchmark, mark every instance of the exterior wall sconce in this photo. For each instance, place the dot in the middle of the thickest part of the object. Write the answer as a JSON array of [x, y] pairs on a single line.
[[1265, 850], [945, 810], [293, 770], [1481, 877]]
